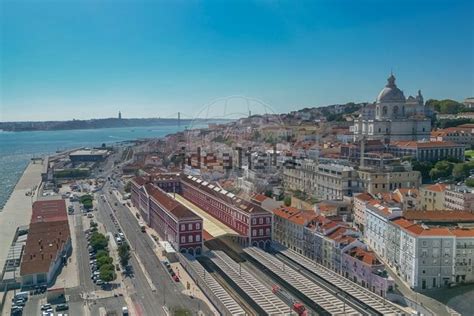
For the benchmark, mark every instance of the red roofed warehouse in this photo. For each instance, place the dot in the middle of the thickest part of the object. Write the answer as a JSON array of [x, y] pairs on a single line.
[[48, 243]]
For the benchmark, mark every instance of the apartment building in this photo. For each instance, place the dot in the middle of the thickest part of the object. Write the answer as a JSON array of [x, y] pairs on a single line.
[[360, 203], [432, 197], [329, 181], [459, 198], [378, 216], [376, 181], [288, 226], [459, 135], [333, 244]]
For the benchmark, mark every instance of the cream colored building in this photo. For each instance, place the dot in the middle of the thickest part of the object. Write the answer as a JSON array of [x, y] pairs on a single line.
[[432, 197], [387, 180], [328, 181]]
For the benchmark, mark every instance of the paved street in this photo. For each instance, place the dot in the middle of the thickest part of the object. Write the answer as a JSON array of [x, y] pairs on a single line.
[[138, 287], [169, 291]]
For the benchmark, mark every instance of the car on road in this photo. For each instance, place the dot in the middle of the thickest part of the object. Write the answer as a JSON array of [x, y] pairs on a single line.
[[45, 307], [99, 282], [176, 278], [62, 307]]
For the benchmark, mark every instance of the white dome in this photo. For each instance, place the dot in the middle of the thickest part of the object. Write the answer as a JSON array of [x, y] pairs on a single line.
[[391, 93]]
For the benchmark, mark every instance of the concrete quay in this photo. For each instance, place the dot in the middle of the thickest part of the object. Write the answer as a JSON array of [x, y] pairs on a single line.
[[17, 210]]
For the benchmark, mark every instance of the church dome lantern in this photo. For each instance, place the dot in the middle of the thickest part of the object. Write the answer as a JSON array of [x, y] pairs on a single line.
[[391, 93]]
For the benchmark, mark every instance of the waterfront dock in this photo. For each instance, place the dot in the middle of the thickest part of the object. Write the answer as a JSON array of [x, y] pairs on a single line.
[[17, 210]]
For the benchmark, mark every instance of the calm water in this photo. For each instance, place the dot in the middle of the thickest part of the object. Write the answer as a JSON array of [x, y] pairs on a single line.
[[17, 148]]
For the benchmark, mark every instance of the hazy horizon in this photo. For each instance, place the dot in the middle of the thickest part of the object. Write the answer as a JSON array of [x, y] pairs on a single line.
[[83, 59]]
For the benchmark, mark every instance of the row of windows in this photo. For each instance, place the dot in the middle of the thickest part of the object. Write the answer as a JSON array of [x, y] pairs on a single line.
[[261, 220], [190, 239], [190, 226], [260, 232]]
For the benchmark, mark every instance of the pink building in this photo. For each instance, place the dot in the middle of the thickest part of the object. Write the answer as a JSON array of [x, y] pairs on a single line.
[[363, 267], [171, 220]]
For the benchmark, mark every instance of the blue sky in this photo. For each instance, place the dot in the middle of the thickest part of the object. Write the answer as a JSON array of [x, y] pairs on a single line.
[[84, 59]]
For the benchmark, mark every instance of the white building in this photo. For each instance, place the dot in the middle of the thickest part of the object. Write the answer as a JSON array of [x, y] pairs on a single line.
[[378, 218], [395, 117]]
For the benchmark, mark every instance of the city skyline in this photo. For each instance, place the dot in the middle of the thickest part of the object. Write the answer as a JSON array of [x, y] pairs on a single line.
[[155, 59]]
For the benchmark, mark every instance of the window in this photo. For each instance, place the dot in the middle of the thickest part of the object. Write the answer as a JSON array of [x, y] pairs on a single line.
[[190, 238], [254, 221], [267, 232], [198, 226], [260, 232], [268, 220], [254, 232], [198, 237], [260, 220], [183, 239], [183, 227], [190, 226]]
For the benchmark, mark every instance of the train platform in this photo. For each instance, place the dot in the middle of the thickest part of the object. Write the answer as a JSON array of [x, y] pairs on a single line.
[[212, 226]]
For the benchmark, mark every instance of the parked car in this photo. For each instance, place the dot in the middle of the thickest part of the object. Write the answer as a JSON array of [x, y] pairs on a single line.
[[176, 278], [45, 307], [62, 307]]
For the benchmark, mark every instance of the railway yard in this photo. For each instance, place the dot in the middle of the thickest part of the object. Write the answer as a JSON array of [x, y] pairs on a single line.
[[253, 281]]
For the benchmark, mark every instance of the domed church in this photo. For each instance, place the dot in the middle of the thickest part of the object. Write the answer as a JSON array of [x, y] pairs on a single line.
[[393, 117]]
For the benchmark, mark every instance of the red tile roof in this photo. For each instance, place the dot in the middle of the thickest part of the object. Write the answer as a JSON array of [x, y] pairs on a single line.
[[368, 257], [439, 216], [438, 187], [171, 205], [49, 211], [259, 197], [47, 235]]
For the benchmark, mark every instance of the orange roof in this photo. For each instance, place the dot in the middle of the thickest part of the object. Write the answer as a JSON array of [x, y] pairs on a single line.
[[49, 211], [437, 216], [430, 144], [260, 197], [294, 215], [459, 232], [364, 197], [438, 187], [285, 211], [368, 257]]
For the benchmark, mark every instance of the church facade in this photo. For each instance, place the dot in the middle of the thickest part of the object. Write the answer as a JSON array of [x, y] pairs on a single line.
[[393, 117]]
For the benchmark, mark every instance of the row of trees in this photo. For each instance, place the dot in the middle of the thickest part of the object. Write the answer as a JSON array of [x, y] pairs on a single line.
[[450, 169], [447, 106], [105, 264]]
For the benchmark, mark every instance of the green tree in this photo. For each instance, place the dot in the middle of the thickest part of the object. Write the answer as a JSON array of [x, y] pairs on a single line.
[[104, 260], [128, 187], [124, 254], [462, 170], [423, 167], [470, 182], [101, 253], [287, 200], [98, 241], [107, 274]]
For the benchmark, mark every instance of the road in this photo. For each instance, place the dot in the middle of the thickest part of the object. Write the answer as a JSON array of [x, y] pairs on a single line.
[[141, 293], [142, 246]]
